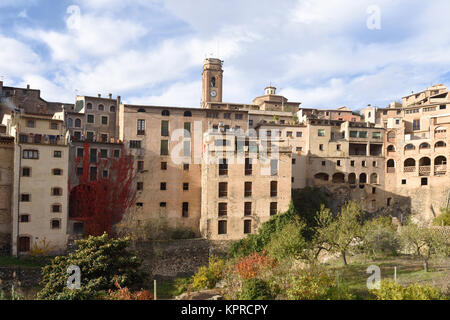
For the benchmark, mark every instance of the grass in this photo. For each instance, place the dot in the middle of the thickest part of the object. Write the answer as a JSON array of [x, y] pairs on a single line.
[[168, 289], [409, 270], [24, 262]]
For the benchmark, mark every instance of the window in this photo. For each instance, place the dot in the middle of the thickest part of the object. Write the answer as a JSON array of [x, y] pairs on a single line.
[[90, 136], [186, 148], [273, 188], [165, 113], [185, 210], [101, 107], [323, 163], [24, 218], [352, 163], [353, 134], [247, 209], [442, 107], [77, 123], [289, 134], [293, 161], [23, 138], [338, 163], [163, 165], [140, 186], [222, 209], [388, 201], [187, 129], [104, 120], [53, 126], [321, 147], [424, 181], [376, 135], [30, 154], [31, 123], [188, 114], [186, 166], [77, 135], [135, 144], [140, 165], [298, 149], [164, 128], [223, 189], [93, 173], [55, 223], [116, 153], [364, 163], [416, 124], [57, 172], [238, 116], [299, 134], [185, 186], [321, 132], [162, 204], [273, 208], [56, 208], [164, 147], [250, 122], [26, 172], [247, 226], [227, 115], [274, 167], [248, 167], [93, 155], [139, 204], [57, 154], [24, 244], [80, 171], [374, 190], [247, 189], [89, 106], [25, 197], [338, 147], [222, 228], [112, 109], [363, 134], [140, 127], [374, 164], [403, 181], [163, 186], [223, 167], [56, 192], [105, 174], [103, 153], [90, 118]]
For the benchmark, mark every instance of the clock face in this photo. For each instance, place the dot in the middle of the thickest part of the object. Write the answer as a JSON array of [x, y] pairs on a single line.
[[213, 93]]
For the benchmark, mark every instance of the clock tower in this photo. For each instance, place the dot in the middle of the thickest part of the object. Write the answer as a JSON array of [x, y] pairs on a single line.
[[212, 77]]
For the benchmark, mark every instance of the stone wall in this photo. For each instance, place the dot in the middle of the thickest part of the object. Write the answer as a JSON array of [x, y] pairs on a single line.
[[23, 277], [177, 258]]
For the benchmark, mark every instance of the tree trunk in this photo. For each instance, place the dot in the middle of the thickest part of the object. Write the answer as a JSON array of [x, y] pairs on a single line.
[[344, 258], [425, 265]]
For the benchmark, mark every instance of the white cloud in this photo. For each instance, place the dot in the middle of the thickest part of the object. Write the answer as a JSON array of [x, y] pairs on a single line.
[[16, 58]]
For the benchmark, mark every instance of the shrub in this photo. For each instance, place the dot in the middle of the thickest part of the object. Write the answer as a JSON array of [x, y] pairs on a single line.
[[316, 285], [253, 265], [100, 259], [255, 289], [390, 290], [207, 277], [288, 242], [443, 219], [126, 294], [380, 238]]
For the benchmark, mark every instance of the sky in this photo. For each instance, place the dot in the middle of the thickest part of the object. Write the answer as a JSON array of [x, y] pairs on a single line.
[[324, 54]]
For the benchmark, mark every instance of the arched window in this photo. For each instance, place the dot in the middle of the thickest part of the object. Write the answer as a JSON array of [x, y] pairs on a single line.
[[391, 148], [165, 113], [101, 107], [188, 114], [352, 178], [390, 166], [424, 145], [363, 178], [77, 123], [112, 109], [213, 82], [391, 136], [69, 122], [141, 110], [89, 106], [321, 176], [338, 177], [425, 161], [410, 162], [440, 144], [440, 161], [374, 178], [410, 146]]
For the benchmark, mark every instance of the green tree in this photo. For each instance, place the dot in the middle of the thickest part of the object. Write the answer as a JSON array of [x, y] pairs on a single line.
[[425, 242], [380, 237], [443, 219], [100, 259], [336, 234], [288, 243]]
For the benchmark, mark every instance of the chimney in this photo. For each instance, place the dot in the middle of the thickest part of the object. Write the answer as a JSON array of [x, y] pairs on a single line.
[[28, 86], [99, 95]]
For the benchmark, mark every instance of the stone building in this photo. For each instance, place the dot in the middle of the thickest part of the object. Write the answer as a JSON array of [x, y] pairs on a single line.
[[6, 184]]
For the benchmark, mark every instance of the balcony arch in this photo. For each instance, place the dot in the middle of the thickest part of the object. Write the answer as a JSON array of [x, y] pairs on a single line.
[[363, 178], [440, 144], [424, 166], [409, 165], [390, 166], [391, 148], [410, 146], [440, 166], [425, 161], [440, 160], [165, 113], [338, 177]]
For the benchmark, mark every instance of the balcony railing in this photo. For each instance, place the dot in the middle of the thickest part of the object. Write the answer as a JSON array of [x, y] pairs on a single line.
[[42, 139], [424, 170], [409, 169], [440, 170], [390, 170]]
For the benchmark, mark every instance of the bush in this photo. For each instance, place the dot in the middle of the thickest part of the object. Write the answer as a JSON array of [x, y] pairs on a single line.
[[207, 277], [390, 290], [288, 242], [380, 238], [443, 219], [255, 289], [102, 261], [253, 265], [126, 294], [316, 285]]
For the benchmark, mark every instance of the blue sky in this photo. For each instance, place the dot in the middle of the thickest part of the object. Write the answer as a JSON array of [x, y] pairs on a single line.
[[320, 53]]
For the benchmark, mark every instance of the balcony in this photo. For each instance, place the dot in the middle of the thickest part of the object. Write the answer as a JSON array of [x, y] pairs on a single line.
[[440, 170], [409, 169], [424, 171], [42, 139]]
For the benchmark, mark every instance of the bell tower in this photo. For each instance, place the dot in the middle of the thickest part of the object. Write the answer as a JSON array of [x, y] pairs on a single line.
[[212, 77]]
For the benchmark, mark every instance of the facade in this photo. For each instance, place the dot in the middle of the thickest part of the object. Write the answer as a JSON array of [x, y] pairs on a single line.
[[220, 170]]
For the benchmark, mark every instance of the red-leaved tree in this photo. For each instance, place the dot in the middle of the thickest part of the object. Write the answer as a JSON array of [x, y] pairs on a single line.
[[100, 202]]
